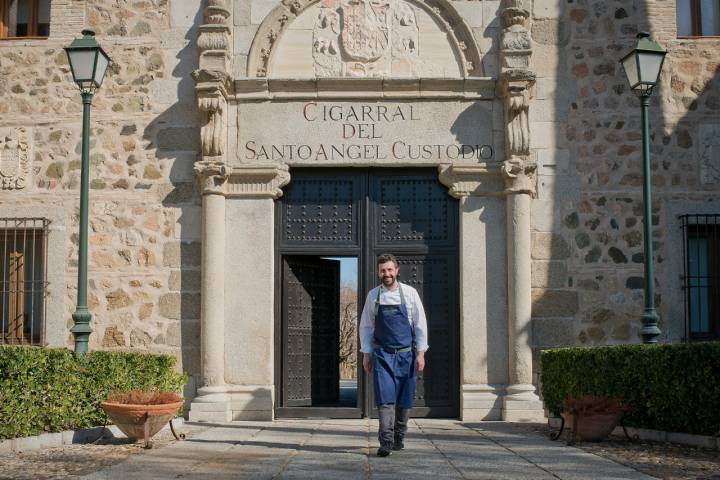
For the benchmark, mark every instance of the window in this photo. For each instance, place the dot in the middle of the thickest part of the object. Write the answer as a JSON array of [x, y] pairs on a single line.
[[702, 276], [698, 18], [24, 18], [22, 280]]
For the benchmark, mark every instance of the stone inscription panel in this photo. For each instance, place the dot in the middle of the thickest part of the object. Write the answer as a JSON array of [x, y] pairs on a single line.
[[316, 132]]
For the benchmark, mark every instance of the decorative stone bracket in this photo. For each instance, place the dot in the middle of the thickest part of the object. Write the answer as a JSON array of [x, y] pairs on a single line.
[[258, 181], [471, 180], [515, 86], [212, 89]]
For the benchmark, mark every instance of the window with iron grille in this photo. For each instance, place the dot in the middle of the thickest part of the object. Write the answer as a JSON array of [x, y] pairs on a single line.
[[23, 282], [701, 279]]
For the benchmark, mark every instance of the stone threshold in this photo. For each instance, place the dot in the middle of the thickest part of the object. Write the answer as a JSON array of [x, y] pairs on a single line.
[[703, 441], [69, 437]]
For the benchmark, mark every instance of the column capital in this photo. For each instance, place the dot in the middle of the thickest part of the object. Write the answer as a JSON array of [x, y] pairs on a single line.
[[211, 177], [471, 180], [258, 180], [520, 176]]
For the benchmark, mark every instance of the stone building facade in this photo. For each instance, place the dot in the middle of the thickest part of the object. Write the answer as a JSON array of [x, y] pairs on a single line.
[[520, 109]]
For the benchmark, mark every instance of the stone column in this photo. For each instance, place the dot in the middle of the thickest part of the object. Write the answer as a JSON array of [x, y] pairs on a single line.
[[213, 86], [213, 401], [520, 403]]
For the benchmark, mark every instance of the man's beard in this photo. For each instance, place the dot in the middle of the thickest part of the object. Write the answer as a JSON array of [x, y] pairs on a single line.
[[388, 281]]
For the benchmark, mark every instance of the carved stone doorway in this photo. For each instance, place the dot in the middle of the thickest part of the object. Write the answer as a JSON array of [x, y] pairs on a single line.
[[362, 213]]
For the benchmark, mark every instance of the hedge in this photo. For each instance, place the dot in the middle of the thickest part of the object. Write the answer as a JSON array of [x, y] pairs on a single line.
[[50, 390], [674, 388]]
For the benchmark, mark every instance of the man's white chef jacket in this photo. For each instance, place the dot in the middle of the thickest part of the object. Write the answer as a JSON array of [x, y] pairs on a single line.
[[416, 315]]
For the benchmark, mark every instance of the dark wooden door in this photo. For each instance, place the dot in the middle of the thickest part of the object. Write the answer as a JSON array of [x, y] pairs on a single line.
[[414, 218], [311, 297], [363, 213]]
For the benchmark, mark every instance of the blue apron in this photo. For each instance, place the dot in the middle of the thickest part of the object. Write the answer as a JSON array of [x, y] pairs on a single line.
[[393, 371]]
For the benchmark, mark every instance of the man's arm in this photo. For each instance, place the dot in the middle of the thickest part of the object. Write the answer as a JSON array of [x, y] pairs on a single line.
[[420, 327]]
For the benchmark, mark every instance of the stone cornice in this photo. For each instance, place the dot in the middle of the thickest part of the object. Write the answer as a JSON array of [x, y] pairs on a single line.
[[260, 89], [472, 180], [257, 181]]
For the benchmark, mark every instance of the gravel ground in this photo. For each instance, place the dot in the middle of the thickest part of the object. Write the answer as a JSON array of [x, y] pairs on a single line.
[[73, 461], [662, 460]]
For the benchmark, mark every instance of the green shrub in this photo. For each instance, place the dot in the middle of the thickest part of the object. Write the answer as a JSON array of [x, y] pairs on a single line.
[[674, 388], [51, 390]]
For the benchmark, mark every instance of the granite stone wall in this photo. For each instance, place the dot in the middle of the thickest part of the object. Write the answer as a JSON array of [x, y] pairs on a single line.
[[144, 255], [588, 241]]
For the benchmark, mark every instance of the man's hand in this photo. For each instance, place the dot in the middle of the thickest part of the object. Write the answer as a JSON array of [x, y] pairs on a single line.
[[420, 361], [367, 363]]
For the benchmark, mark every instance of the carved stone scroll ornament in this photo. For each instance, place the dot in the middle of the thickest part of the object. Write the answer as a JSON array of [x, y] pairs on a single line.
[[517, 103], [211, 177], [212, 91], [213, 129], [14, 158]]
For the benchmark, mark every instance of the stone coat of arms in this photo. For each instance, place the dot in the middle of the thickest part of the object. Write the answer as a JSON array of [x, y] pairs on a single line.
[[365, 38], [14, 158], [365, 30]]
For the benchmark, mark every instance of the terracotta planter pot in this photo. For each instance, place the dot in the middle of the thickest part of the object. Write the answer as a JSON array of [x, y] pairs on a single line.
[[141, 421], [592, 428]]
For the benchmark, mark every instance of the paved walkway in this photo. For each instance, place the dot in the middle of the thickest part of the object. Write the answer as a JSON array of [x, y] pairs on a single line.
[[345, 450]]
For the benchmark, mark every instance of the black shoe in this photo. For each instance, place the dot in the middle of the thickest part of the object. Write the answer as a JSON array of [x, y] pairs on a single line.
[[383, 452], [398, 445]]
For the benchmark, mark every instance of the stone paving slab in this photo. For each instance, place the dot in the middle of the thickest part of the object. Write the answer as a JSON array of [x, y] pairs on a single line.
[[345, 450]]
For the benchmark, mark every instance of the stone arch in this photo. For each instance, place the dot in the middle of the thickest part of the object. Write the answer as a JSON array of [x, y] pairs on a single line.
[[277, 22]]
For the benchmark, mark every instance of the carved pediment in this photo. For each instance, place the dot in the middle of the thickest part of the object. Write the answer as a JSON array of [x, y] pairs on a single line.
[[364, 38]]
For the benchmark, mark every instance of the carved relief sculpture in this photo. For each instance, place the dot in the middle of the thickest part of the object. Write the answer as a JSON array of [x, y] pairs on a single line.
[[516, 83], [365, 38], [212, 80], [517, 129], [14, 158], [213, 134], [214, 39]]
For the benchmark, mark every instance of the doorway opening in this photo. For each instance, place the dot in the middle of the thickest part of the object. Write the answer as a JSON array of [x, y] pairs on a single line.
[[320, 330], [330, 220]]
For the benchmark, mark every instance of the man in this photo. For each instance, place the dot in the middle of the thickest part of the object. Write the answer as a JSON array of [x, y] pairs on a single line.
[[393, 340]]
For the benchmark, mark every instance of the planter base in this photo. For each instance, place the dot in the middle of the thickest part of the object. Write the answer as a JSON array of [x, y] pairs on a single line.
[[142, 421]]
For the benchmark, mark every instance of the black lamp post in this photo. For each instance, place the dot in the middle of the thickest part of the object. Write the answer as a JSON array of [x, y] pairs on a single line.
[[642, 67], [88, 63]]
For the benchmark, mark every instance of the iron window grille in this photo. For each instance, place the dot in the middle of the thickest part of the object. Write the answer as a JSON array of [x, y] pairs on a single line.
[[701, 276], [23, 284]]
